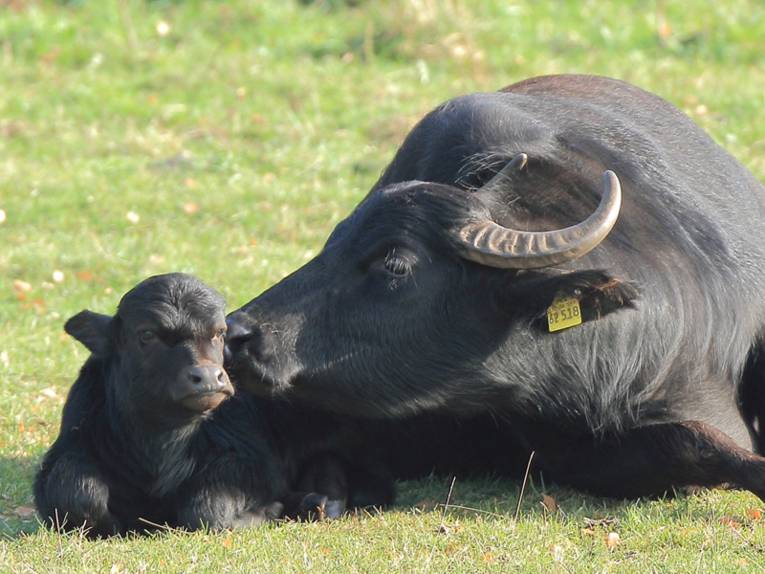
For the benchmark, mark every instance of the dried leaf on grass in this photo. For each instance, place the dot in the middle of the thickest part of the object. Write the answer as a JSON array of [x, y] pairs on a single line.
[[49, 392], [612, 540], [600, 522], [21, 286], [730, 521], [190, 208], [24, 511], [426, 504], [550, 504]]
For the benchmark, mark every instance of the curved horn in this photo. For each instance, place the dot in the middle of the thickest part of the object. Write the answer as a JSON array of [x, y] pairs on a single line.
[[488, 243], [499, 181]]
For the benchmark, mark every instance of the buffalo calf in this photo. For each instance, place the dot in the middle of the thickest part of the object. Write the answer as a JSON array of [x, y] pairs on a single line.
[[153, 433]]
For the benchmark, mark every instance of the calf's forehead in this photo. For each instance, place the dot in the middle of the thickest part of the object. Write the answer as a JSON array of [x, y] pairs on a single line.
[[176, 302]]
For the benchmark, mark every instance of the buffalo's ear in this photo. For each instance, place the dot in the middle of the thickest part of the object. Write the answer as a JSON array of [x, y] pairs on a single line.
[[91, 329], [598, 292]]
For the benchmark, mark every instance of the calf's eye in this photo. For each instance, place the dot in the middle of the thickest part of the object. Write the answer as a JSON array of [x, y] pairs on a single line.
[[219, 334]]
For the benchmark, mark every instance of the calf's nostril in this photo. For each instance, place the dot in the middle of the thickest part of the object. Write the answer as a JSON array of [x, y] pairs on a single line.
[[220, 376], [195, 376]]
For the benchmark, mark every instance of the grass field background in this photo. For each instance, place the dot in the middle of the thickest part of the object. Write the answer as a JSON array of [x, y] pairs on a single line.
[[226, 139]]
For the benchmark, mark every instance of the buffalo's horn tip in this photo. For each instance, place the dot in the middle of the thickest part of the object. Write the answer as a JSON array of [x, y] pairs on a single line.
[[610, 180], [520, 161]]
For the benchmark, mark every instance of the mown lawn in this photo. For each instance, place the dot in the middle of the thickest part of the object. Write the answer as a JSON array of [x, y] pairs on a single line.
[[226, 139]]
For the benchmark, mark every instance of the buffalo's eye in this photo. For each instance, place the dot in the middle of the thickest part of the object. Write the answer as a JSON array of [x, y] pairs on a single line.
[[395, 264], [146, 336]]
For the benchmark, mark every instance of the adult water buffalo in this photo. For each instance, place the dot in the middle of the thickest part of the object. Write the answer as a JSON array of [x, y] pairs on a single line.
[[432, 294]]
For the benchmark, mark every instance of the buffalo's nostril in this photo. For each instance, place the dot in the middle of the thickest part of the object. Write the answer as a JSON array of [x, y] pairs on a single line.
[[236, 330], [220, 376], [237, 335]]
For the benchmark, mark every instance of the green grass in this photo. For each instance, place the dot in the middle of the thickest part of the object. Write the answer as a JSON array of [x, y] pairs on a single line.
[[239, 138]]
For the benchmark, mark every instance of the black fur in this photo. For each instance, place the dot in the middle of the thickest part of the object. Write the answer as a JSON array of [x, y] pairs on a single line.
[[389, 320], [143, 441]]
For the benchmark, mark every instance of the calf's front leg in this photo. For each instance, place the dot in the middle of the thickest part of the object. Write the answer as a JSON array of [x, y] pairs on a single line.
[[73, 494], [230, 493]]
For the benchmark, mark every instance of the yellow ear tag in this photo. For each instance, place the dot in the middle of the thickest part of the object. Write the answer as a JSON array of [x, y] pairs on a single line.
[[564, 313]]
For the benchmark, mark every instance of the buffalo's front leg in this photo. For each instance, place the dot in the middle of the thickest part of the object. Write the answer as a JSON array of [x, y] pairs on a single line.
[[653, 459]]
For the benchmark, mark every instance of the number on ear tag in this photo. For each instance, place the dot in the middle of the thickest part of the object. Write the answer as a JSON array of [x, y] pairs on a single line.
[[564, 313]]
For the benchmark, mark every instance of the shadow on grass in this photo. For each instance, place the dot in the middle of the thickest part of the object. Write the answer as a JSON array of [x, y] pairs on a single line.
[[495, 495], [17, 516], [497, 498]]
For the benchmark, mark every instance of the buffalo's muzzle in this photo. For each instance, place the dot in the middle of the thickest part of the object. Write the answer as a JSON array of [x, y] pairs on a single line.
[[254, 357], [239, 334]]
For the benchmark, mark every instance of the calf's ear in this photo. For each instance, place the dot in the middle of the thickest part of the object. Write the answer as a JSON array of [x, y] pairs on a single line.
[[91, 329]]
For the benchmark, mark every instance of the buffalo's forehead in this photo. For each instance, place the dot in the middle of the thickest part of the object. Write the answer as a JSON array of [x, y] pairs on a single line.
[[174, 302], [412, 210]]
